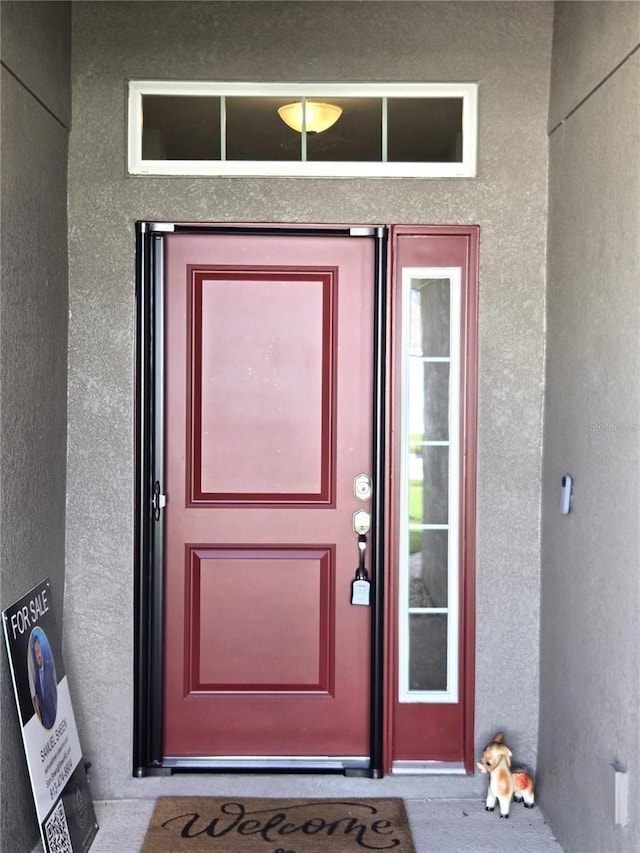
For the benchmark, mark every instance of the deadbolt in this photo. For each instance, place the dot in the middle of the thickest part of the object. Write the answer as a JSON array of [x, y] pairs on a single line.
[[362, 487], [361, 522]]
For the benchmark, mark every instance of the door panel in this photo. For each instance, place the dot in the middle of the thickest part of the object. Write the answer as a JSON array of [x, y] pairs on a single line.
[[267, 444], [268, 399], [294, 581]]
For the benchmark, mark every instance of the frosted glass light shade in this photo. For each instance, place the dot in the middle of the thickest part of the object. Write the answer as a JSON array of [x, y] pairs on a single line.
[[318, 116]]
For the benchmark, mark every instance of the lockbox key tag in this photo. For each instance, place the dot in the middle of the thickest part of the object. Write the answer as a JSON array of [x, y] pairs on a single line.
[[360, 592]]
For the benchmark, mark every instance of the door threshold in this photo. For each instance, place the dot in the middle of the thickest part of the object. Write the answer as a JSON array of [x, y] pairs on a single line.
[[428, 768], [297, 763]]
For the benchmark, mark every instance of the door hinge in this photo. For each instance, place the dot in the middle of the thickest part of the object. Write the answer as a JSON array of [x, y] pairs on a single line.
[[158, 500]]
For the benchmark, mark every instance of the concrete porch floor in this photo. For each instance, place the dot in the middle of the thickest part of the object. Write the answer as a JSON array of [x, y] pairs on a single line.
[[438, 824]]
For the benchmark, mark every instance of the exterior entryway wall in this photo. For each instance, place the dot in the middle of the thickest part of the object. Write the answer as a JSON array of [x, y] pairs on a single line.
[[348, 41], [507, 200], [36, 114], [590, 585], [506, 48]]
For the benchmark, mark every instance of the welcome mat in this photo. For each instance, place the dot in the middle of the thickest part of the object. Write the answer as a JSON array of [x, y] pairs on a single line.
[[238, 825]]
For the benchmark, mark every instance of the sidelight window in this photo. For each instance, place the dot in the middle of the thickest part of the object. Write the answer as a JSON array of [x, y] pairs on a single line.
[[430, 477], [371, 130]]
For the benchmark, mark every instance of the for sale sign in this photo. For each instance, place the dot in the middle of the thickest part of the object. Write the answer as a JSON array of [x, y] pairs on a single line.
[[54, 757]]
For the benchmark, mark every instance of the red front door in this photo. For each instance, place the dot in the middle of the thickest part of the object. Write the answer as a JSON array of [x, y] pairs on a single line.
[[268, 366]]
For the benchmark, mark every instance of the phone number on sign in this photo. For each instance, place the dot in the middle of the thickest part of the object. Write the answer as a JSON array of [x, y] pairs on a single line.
[[58, 778]]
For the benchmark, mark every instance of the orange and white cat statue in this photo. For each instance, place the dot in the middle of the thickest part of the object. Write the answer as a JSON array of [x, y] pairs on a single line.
[[505, 783]]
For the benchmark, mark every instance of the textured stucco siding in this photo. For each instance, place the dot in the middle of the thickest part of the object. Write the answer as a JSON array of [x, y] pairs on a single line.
[[590, 664], [33, 350], [590, 40], [503, 46], [36, 48]]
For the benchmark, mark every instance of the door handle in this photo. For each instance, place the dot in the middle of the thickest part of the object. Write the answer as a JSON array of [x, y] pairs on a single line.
[[361, 572], [361, 586]]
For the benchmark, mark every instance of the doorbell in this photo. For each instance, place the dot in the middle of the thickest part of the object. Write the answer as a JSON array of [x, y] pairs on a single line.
[[567, 494]]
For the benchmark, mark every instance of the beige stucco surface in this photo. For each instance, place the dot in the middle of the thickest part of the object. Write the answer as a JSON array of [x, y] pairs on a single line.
[[503, 46], [36, 49], [590, 667], [33, 355], [574, 601], [590, 40]]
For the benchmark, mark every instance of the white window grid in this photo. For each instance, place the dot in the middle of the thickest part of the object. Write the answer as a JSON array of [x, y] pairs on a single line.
[[450, 694], [468, 92]]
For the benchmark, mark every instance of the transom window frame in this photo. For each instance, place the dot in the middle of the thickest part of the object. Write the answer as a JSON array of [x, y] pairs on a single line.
[[467, 168]]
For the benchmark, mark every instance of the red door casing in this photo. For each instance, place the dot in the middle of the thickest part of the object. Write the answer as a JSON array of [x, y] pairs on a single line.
[[268, 420]]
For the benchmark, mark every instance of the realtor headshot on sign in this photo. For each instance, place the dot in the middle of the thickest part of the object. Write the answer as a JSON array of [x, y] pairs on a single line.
[[42, 678]]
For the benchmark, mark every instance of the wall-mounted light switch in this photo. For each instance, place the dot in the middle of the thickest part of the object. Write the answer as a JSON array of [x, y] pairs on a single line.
[[567, 494]]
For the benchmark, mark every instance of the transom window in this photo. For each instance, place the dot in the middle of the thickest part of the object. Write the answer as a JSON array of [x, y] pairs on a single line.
[[364, 130]]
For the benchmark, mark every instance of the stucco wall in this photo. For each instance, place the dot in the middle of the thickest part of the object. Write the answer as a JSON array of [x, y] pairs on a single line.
[[33, 345], [503, 46], [590, 40], [590, 665]]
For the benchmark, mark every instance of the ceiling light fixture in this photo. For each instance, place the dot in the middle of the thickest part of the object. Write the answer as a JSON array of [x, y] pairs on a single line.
[[317, 116]]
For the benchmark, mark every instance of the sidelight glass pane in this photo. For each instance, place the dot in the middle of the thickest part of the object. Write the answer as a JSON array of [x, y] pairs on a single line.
[[429, 485], [180, 127], [429, 399], [430, 475], [429, 323], [436, 130], [428, 651], [429, 569]]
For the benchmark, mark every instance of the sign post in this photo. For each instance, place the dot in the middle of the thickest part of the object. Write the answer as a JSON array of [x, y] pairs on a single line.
[[54, 758]]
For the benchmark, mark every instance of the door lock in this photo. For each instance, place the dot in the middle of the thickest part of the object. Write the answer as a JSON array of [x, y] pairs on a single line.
[[362, 487]]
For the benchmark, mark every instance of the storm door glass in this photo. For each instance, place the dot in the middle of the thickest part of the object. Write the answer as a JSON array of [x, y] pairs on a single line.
[[430, 474]]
